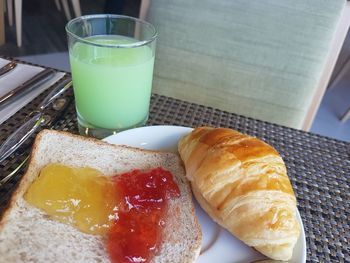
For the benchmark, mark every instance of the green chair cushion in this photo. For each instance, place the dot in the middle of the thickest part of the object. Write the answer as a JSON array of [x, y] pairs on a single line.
[[261, 59]]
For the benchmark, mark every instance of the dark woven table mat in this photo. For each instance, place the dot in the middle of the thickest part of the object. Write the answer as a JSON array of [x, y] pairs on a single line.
[[319, 167]]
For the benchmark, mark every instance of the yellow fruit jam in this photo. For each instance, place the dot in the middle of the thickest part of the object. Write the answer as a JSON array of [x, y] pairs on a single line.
[[82, 197]]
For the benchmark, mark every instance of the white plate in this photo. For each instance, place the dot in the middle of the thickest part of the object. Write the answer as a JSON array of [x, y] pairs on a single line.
[[218, 245]]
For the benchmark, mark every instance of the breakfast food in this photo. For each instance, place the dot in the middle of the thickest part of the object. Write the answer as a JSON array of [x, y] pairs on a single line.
[[242, 183], [129, 209], [80, 196], [30, 234]]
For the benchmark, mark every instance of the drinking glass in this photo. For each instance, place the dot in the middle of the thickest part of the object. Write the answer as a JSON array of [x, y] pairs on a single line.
[[111, 58]]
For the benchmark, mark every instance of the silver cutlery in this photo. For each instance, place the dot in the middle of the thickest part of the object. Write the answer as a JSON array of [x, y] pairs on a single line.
[[39, 119], [27, 87], [10, 175], [7, 68]]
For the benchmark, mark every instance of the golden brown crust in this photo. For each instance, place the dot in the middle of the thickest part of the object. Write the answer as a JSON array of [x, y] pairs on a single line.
[[26, 181], [20, 186], [243, 185], [83, 150]]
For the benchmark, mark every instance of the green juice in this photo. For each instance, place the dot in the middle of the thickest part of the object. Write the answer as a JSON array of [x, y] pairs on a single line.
[[112, 86]]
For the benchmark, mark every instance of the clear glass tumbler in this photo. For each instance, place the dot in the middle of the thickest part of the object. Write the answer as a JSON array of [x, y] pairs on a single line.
[[111, 58]]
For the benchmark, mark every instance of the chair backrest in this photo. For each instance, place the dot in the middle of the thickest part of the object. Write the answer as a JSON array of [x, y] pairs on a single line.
[[261, 59]]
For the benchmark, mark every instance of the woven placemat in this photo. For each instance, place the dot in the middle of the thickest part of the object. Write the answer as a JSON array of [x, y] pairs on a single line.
[[319, 167]]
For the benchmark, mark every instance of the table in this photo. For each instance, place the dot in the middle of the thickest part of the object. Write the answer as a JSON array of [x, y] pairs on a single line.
[[319, 167]]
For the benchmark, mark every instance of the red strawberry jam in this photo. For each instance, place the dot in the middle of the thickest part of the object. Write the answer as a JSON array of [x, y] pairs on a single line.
[[136, 235]]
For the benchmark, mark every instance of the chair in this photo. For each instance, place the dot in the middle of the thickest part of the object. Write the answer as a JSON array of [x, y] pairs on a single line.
[[345, 116], [2, 22], [76, 8], [18, 14], [269, 60], [344, 69]]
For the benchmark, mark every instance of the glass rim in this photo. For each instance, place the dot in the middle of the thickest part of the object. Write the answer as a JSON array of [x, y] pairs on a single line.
[[138, 43]]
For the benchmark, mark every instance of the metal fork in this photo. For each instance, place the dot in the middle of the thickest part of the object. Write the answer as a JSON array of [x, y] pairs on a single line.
[[8, 67], [10, 175]]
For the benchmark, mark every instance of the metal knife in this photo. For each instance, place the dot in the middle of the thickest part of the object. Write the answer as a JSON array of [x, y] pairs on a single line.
[[27, 87], [8, 67], [47, 113]]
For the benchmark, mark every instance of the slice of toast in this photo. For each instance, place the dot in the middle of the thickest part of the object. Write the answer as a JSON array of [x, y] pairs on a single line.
[[27, 234]]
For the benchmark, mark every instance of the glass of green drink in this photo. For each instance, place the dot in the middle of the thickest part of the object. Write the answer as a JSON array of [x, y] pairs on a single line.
[[111, 58]]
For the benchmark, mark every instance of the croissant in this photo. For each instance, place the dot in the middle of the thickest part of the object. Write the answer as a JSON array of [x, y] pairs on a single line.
[[242, 183]]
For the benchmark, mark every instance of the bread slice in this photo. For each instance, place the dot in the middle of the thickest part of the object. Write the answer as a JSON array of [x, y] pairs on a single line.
[[29, 235]]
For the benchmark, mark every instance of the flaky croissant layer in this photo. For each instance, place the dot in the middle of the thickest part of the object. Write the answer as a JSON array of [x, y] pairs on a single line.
[[242, 183]]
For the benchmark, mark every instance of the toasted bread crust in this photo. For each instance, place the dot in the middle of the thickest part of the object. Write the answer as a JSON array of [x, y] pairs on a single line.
[[170, 160]]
